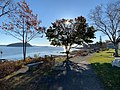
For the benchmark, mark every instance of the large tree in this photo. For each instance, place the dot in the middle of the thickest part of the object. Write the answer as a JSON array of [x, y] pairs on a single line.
[[107, 20], [67, 32], [23, 24], [6, 6]]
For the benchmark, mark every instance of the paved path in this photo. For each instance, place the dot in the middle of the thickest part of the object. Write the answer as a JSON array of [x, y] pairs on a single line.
[[89, 80], [80, 77]]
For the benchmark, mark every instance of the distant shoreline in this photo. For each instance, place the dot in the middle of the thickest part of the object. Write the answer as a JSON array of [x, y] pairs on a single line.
[[18, 45]]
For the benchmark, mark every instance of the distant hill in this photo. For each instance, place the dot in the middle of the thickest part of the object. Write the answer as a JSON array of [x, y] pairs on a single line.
[[18, 45], [3, 45]]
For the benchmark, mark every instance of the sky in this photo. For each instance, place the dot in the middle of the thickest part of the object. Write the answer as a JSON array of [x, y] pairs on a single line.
[[50, 10]]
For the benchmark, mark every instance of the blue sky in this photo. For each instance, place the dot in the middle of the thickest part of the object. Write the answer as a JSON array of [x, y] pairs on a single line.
[[50, 10]]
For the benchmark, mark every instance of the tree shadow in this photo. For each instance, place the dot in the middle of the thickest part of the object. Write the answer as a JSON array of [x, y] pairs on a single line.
[[64, 77], [73, 76]]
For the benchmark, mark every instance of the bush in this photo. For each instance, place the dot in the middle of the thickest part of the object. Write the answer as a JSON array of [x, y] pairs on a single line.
[[97, 51], [33, 60], [82, 53], [8, 67]]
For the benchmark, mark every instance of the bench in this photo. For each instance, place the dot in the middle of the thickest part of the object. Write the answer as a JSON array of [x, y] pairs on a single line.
[[116, 62], [34, 65]]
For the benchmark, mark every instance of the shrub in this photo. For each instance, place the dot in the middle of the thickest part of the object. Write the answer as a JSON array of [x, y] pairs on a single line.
[[8, 67], [97, 51], [82, 53]]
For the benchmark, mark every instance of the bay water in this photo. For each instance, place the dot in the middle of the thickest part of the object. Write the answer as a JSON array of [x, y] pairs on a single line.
[[15, 53]]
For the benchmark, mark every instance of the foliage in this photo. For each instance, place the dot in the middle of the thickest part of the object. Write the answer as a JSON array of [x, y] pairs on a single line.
[[8, 67], [23, 24], [82, 53], [6, 6], [108, 74], [66, 32], [106, 19], [22, 21]]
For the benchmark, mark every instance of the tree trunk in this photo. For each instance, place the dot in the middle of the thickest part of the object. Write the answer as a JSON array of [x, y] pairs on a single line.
[[116, 50], [25, 50], [23, 40], [67, 62], [67, 53]]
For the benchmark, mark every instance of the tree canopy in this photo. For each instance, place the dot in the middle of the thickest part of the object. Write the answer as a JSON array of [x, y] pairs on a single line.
[[67, 32]]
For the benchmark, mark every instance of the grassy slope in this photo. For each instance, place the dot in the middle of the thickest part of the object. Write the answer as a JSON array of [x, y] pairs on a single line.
[[108, 74]]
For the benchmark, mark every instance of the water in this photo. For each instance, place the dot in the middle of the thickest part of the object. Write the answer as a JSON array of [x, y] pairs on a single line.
[[15, 53]]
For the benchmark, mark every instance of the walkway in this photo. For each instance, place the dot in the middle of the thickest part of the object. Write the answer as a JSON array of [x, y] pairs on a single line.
[[81, 77], [89, 80]]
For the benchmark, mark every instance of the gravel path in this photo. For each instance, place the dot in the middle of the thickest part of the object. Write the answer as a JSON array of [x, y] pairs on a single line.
[[80, 77]]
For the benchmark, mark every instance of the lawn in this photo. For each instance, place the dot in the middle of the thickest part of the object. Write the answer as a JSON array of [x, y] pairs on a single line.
[[109, 75]]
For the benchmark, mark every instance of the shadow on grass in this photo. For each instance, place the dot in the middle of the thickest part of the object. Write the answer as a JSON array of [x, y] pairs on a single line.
[[109, 75], [110, 52]]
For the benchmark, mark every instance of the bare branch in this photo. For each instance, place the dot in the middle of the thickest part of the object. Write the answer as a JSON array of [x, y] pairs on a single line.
[[6, 7], [107, 20]]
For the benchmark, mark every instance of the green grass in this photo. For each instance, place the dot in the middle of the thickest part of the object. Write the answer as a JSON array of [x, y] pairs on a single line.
[[109, 75], [60, 59], [102, 57]]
